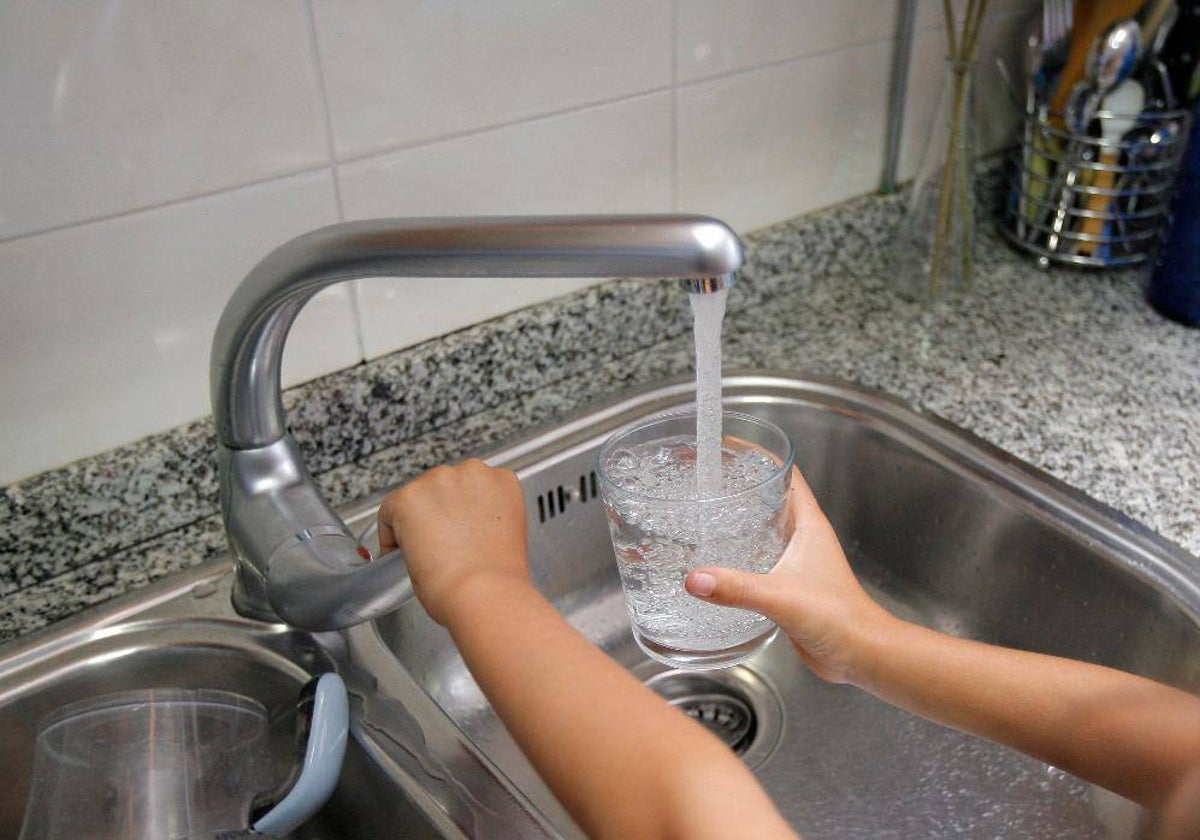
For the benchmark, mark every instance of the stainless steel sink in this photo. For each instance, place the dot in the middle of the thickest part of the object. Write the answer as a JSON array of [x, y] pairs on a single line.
[[185, 634], [943, 528]]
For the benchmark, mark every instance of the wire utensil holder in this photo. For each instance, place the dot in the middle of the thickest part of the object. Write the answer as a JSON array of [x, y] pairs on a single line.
[[1082, 199]]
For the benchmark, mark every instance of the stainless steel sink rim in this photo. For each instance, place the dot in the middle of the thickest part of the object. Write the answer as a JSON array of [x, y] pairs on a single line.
[[199, 597]]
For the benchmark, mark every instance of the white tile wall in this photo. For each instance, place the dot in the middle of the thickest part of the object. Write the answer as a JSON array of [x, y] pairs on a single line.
[[606, 159], [403, 72], [107, 326], [770, 143], [114, 106], [717, 37], [151, 154]]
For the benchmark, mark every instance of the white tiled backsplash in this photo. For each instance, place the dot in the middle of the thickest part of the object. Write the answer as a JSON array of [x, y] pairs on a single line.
[[152, 153]]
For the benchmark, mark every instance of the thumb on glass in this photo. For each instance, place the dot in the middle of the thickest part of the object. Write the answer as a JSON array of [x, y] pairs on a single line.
[[732, 588]]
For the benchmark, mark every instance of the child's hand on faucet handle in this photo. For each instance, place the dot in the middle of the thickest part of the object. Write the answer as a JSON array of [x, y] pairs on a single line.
[[458, 526]]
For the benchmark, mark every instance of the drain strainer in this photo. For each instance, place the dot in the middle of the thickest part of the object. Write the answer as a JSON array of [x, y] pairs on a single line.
[[724, 715], [734, 704]]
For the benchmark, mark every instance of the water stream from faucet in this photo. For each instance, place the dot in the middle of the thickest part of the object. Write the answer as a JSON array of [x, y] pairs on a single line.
[[708, 311]]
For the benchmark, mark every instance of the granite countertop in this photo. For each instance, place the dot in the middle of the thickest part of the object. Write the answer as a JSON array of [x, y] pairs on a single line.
[[1068, 370]]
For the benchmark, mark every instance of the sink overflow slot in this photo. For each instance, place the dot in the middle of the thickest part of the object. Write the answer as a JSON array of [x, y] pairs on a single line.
[[553, 502]]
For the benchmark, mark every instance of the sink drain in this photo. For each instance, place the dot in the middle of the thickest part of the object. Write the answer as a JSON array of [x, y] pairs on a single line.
[[728, 718], [735, 705]]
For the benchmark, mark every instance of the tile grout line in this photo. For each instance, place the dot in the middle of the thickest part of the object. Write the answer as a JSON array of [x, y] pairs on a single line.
[[526, 120], [323, 105], [779, 62], [335, 162], [331, 149], [675, 105], [164, 205]]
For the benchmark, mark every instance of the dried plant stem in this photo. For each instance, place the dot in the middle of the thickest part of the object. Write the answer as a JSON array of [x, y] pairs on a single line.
[[962, 54], [967, 209], [951, 35]]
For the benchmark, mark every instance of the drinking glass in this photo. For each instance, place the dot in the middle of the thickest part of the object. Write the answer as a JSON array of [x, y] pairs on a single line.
[[663, 526], [168, 763]]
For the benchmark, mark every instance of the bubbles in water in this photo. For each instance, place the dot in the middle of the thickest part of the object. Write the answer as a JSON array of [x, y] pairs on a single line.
[[666, 469], [662, 530]]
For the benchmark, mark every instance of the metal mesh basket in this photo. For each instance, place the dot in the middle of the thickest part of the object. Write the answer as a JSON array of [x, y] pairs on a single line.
[[1084, 200]]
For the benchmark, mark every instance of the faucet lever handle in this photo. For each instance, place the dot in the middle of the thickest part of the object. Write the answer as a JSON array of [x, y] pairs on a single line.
[[323, 583]]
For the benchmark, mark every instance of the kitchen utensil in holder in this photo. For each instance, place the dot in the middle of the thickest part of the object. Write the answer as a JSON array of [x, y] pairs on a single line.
[[1080, 199]]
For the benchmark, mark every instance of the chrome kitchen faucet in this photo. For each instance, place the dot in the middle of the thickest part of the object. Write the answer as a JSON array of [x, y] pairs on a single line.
[[296, 560]]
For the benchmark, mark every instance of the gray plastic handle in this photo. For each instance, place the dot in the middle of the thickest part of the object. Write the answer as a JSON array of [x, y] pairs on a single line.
[[322, 766]]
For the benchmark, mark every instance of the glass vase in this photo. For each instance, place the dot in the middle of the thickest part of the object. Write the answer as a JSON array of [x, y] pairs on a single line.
[[935, 240]]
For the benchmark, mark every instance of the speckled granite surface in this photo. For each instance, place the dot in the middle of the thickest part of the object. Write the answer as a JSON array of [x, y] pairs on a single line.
[[1069, 371]]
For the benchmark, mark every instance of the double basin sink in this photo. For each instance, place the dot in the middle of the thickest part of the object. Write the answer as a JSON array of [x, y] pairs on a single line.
[[942, 528]]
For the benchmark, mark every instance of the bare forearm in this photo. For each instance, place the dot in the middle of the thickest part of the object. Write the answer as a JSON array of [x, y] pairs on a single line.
[[1128, 734], [628, 765]]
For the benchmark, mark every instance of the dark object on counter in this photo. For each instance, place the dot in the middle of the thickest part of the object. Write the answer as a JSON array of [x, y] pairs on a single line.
[[1174, 286], [1181, 52]]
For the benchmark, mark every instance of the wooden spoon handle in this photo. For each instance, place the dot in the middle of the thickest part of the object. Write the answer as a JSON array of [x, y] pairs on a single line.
[[1097, 202]]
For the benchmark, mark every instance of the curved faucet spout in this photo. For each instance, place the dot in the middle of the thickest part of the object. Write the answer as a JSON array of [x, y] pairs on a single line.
[[297, 560]]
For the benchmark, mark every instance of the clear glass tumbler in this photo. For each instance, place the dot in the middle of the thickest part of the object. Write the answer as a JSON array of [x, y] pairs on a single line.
[[174, 763], [148, 765], [663, 527]]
